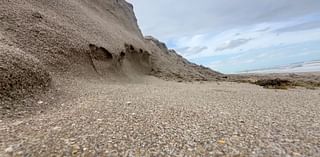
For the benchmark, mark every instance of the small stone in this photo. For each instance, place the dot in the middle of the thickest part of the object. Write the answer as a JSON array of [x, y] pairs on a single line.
[[9, 150], [56, 128], [17, 123], [222, 142], [128, 102], [295, 154], [76, 147], [235, 133], [40, 102], [20, 153]]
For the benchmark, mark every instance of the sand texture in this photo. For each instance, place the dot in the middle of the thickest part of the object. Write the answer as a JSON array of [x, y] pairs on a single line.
[[78, 78], [156, 118]]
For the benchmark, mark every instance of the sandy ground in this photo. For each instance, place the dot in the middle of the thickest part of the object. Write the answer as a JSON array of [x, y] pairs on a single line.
[[157, 118], [91, 117]]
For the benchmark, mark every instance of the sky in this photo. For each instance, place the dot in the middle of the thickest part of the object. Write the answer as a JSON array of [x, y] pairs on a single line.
[[231, 36]]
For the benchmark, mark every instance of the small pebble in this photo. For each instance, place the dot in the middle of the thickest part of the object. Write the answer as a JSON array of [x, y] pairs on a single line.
[[296, 154], [128, 102], [9, 149], [56, 128], [40, 102], [17, 123], [20, 153], [222, 142]]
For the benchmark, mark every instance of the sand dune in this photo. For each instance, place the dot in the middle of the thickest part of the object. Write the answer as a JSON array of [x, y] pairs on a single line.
[[82, 38], [77, 78]]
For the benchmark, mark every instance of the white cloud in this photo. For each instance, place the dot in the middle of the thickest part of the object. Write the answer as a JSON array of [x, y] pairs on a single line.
[[226, 43], [167, 19], [300, 27], [204, 29], [192, 50], [232, 44]]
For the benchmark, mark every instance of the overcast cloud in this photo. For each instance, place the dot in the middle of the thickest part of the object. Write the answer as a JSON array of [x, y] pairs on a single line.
[[232, 44], [209, 30]]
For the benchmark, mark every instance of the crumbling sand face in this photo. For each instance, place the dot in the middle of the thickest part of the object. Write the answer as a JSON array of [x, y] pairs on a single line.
[[138, 59], [101, 59], [97, 39], [59, 33], [100, 53], [20, 74], [130, 61]]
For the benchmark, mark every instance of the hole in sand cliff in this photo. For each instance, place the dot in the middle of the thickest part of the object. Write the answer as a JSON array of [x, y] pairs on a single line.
[[101, 59], [122, 54], [100, 53], [136, 59], [131, 48], [92, 46]]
